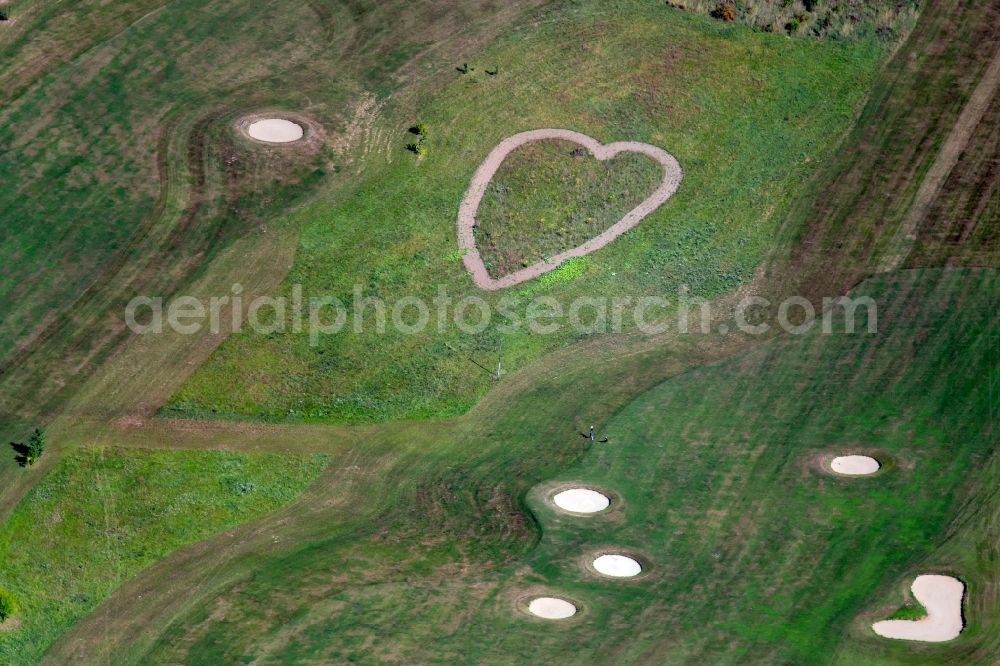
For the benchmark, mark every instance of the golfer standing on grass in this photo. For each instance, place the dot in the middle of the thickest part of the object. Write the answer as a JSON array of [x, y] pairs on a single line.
[[591, 433]]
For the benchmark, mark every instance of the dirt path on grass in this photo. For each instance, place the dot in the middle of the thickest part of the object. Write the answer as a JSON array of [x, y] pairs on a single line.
[[951, 151], [672, 176]]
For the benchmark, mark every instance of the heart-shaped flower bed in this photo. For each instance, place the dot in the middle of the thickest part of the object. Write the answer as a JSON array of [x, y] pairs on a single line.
[[484, 175]]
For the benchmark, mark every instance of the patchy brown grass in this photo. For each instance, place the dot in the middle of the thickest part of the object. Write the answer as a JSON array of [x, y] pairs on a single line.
[[854, 207], [961, 228]]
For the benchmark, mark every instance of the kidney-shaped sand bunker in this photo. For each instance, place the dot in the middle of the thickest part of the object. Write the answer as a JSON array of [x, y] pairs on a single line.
[[941, 597]]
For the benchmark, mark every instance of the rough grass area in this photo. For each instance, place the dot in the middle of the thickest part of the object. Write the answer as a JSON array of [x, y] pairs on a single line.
[[102, 515], [551, 196], [841, 226], [121, 173], [757, 555], [748, 115], [961, 227], [830, 19], [80, 153]]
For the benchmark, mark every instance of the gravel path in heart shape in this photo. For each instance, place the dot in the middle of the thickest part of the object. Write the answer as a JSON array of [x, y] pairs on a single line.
[[472, 259]]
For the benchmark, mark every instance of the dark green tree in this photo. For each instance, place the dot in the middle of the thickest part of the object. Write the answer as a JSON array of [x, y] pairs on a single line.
[[8, 605], [29, 453]]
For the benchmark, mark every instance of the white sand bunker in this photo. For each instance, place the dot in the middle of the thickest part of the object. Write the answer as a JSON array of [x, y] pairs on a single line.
[[551, 608], [855, 465], [941, 596], [275, 130], [617, 566], [581, 500]]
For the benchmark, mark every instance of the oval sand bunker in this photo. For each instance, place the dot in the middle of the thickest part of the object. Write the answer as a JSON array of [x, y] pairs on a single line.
[[551, 608], [855, 465], [581, 500], [275, 130], [941, 596], [617, 566]]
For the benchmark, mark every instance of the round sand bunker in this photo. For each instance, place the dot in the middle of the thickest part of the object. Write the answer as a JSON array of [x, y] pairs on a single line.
[[941, 597], [551, 608], [275, 130], [581, 500], [617, 566], [855, 465]]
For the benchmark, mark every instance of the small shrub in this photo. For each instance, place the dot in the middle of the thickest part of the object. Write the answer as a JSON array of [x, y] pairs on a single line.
[[821, 26], [3, 15], [724, 12], [420, 129], [8, 605], [36, 444], [241, 487]]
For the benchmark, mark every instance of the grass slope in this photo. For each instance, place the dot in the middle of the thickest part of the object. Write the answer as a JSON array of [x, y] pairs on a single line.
[[475, 524], [961, 227], [850, 213], [748, 115], [102, 515], [80, 150], [757, 556], [122, 174]]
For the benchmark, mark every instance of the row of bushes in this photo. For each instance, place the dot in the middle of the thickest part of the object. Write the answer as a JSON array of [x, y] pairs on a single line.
[[418, 147], [834, 19]]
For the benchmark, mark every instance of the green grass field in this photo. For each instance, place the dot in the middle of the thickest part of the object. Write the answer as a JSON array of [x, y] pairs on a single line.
[[757, 556], [748, 115], [378, 499], [122, 174], [102, 515]]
